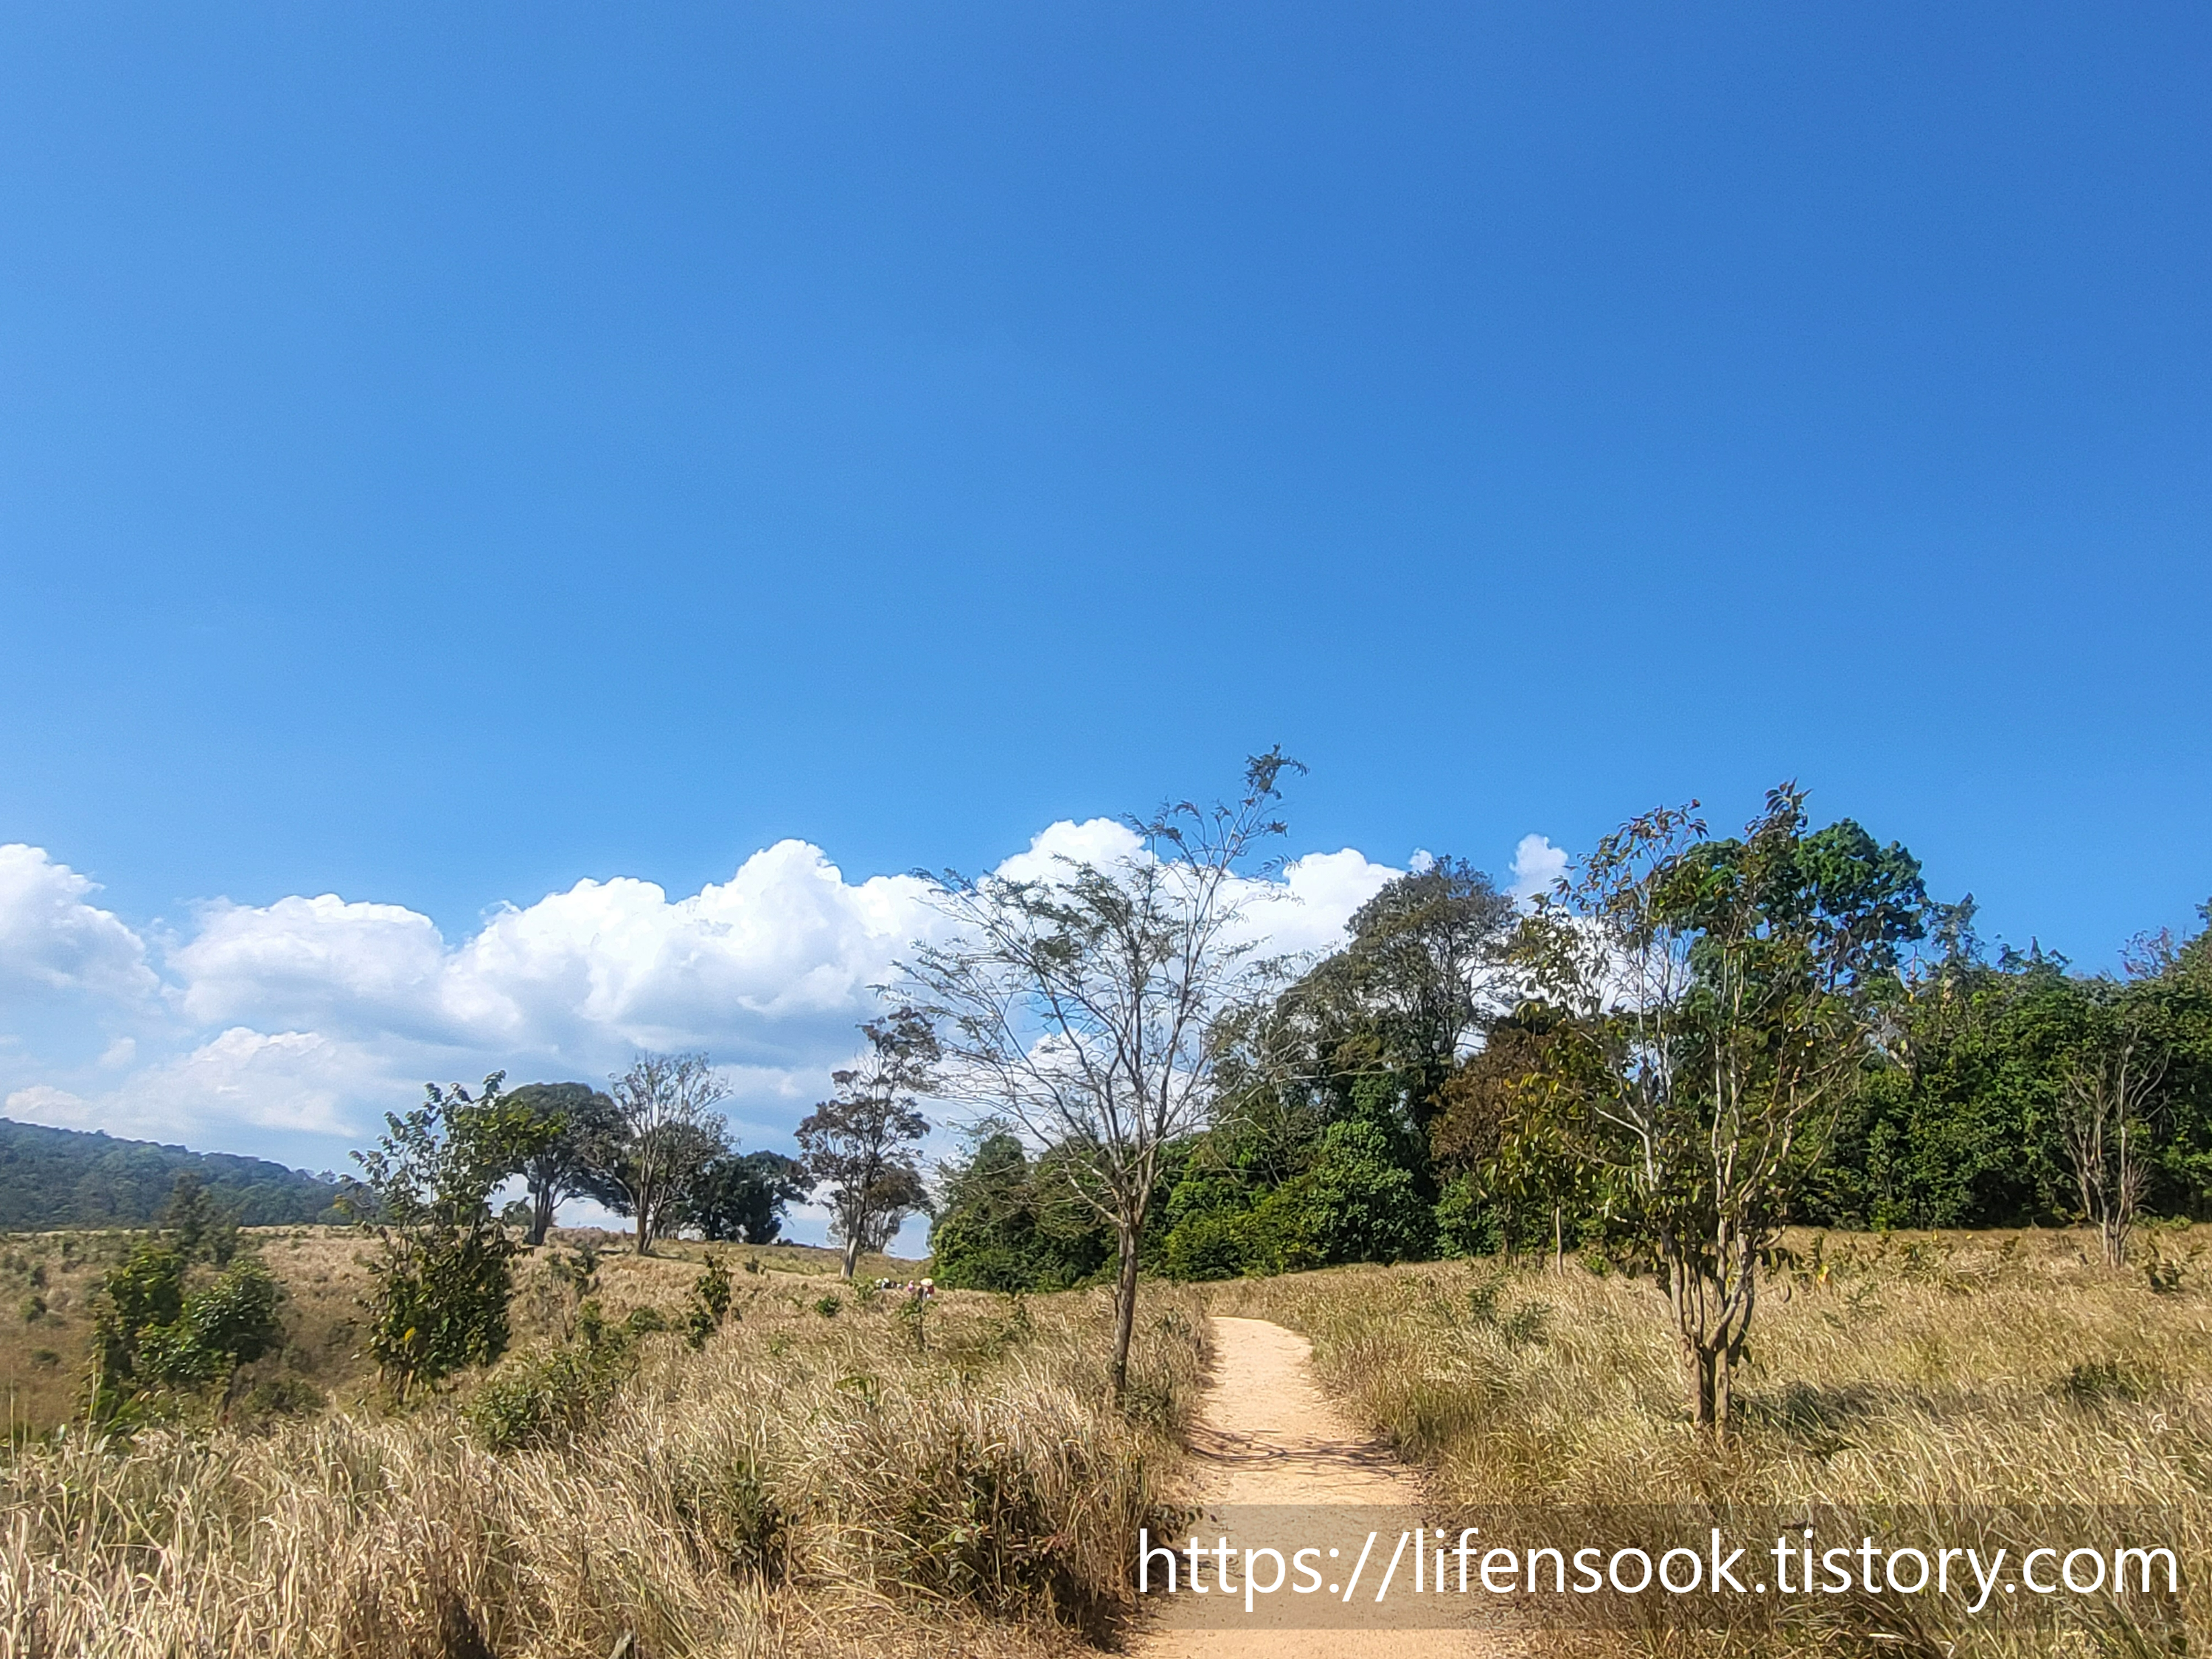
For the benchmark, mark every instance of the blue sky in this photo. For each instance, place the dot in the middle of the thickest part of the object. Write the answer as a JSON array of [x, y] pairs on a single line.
[[449, 453]]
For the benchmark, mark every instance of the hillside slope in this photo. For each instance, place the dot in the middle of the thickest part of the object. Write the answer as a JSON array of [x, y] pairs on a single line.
[[51, 1178]]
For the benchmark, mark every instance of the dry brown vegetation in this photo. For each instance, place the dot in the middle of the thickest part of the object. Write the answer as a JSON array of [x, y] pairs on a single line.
[[1906, 1382], [816, 1482], [48, 1280], [819, 1479]]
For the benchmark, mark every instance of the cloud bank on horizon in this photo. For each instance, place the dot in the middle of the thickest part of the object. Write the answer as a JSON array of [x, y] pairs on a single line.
[[287, 1029]]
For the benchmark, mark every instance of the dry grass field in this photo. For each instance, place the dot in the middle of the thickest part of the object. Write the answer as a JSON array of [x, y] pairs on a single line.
[[823, 1479], [828, 1476], [1997, 1383], [47, 1281]]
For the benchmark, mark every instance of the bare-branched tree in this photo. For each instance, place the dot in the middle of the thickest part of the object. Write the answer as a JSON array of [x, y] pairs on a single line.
[[858, 1145], [663, 1133], [1089, 1007], [2105, 1114]]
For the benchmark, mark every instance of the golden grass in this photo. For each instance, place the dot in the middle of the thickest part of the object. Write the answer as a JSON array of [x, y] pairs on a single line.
[[322, 1270], [816, 1484], [1926, 1383], [808, 1485]]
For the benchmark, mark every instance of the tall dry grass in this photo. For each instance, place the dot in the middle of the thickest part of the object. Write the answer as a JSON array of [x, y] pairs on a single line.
[[1995, 1384], [807, 1484]]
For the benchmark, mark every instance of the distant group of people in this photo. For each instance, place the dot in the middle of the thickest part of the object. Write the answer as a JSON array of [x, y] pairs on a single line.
[[922, 1287]]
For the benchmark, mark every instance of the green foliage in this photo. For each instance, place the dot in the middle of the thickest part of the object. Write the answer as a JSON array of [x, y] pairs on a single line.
[[1466, 1222], [858, 1147], [179, 1316], [1212, 1244], [443, 1270], [742, 1195], [575, 1274], [541, 1399], [1360, 1204], [441, 1302], [1958, 1121], [709, 1304], [1357, 1203], [553, 1132], [1008, 1222], [58, 1178], [1373, 1030]]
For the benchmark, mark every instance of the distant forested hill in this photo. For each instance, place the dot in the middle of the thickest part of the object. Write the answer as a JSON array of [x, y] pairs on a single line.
[[68, 1178]]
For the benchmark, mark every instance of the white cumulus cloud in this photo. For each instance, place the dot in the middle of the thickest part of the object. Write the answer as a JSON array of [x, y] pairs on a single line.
[[291, 1028], [52, 939], [1536, 866], [293, 1083]]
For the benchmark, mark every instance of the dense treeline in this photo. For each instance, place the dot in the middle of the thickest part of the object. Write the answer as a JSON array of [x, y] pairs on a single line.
[[1402, 1100], [54, 1178]]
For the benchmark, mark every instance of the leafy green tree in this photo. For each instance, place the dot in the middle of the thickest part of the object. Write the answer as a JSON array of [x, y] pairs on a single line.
[[858, 1147], [557, 1125], [1359, 1202], [1961, 1118], [1372, 1031], [1404, 996], [182, 1314], [1007, 1222], [1498, 1142], [1725, 995], [743, 1196], [444, 1265], [664, 1135]]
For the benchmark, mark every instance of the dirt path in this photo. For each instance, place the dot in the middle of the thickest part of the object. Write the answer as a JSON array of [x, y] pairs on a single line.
[[1279, 1464]]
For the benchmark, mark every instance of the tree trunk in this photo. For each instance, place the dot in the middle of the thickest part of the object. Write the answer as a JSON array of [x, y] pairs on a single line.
[[1703, 1328], [1559, 1240], [1125, 1306], [852, 1252], [541, 1214]]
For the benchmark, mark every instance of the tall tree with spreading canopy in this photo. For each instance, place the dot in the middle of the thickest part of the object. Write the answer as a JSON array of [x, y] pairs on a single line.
[[858, 1147], [1724, 994], [1088, 1006], [664, 1132], [743, 1196], [1404, 999], [564, 1120]]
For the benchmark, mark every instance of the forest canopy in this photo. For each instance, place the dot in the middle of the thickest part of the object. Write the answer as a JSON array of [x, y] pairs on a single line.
[[53, 1178], [1413, 1095]]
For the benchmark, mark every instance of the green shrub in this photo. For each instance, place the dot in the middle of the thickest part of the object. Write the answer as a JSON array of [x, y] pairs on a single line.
[[709, 1304], [153, 1336], [1209, 1245], [550, 1395], [439, 1305]]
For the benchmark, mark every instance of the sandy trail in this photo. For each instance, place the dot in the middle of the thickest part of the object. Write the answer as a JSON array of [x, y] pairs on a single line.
[[1269, 1441]]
